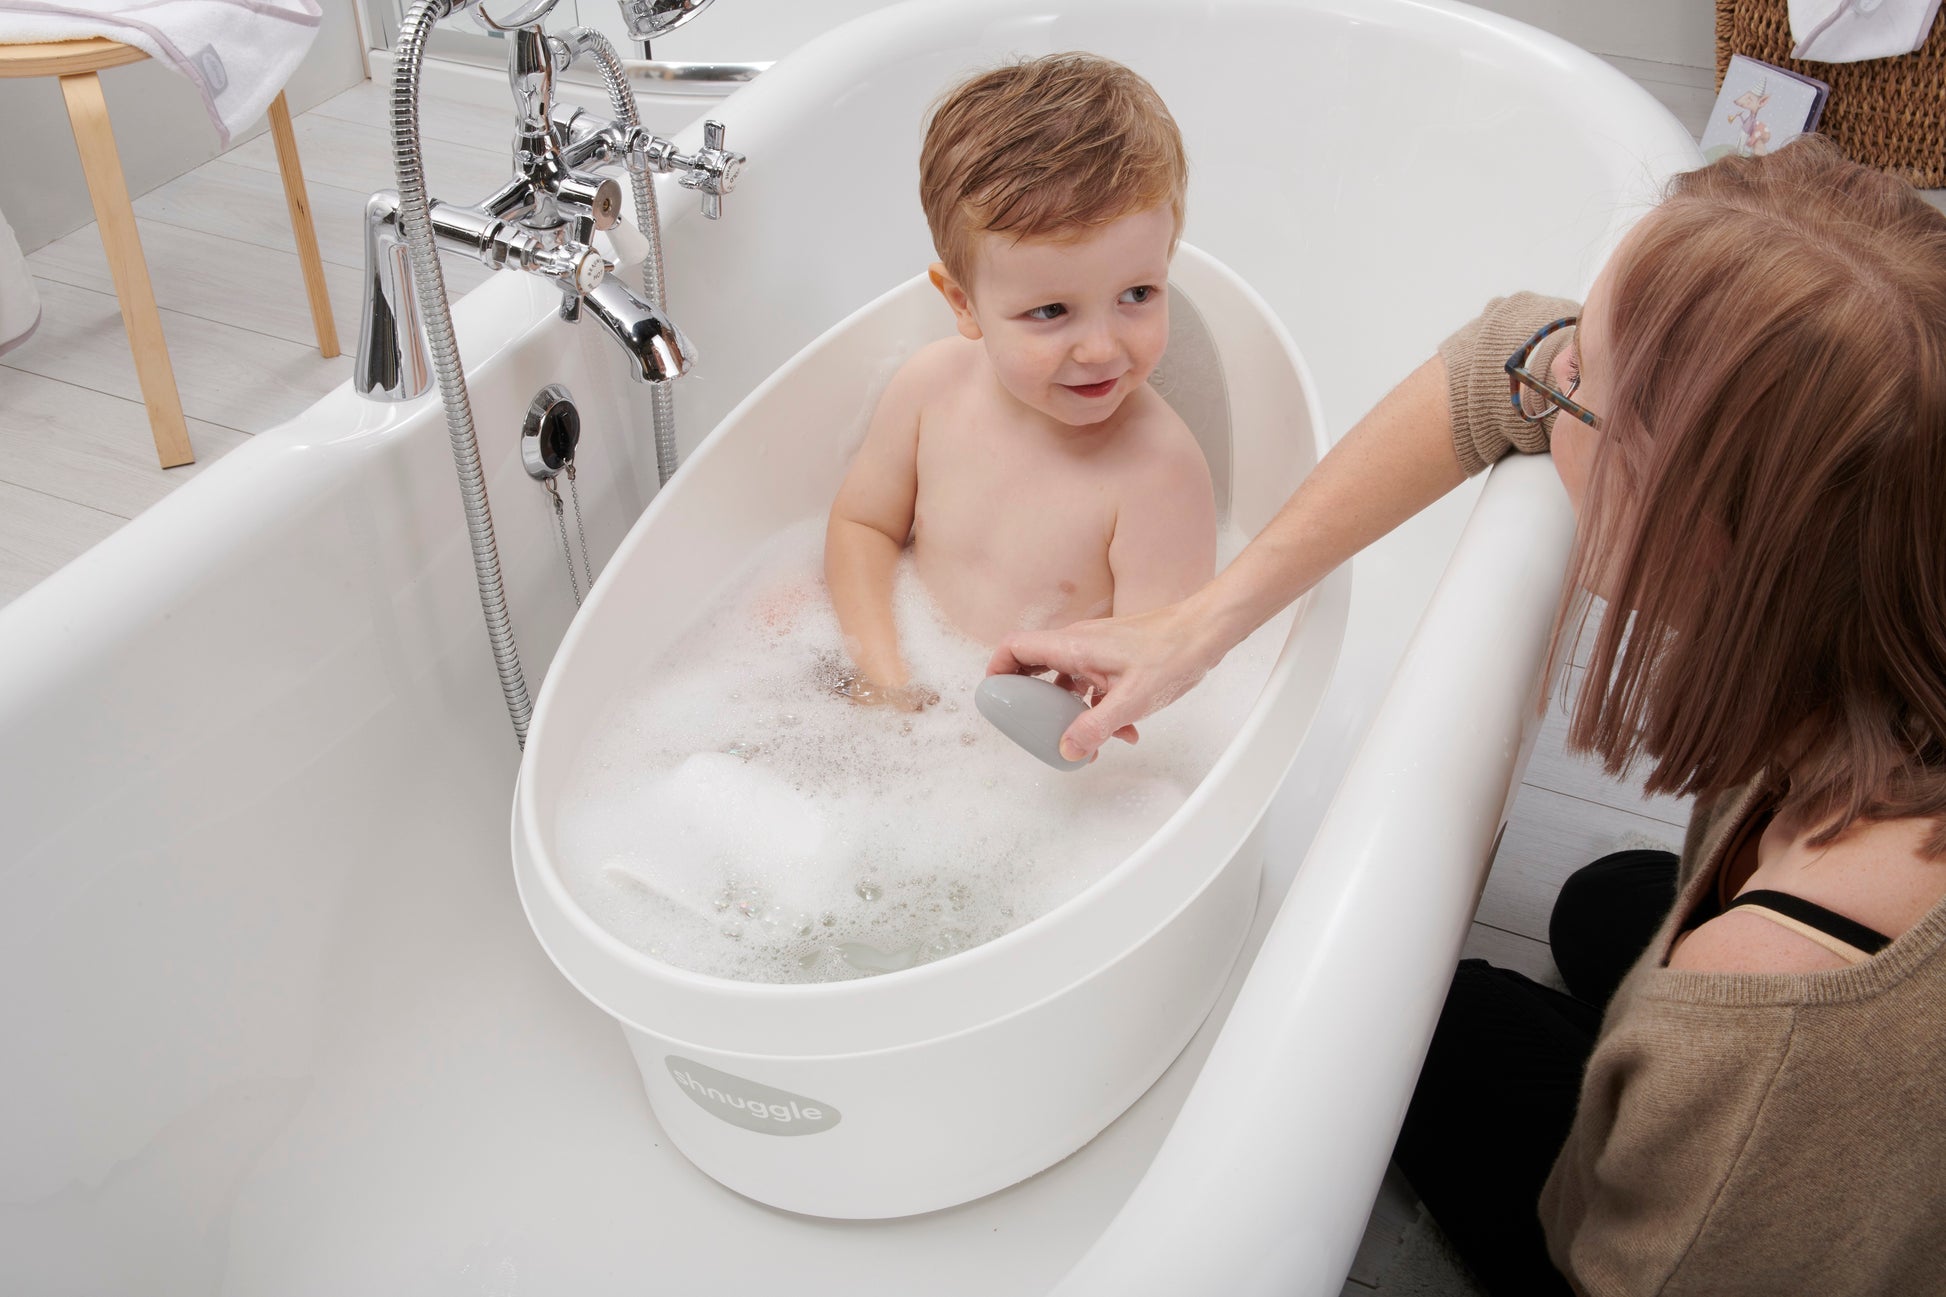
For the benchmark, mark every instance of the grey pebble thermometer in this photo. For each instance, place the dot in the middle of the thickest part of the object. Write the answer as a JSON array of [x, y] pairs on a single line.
[[1032, 712]]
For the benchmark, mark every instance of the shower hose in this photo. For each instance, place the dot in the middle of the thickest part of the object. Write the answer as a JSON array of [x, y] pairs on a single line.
[[415, 228]]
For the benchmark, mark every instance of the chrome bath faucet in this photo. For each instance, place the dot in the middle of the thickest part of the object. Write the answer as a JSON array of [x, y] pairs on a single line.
[[543, 221]]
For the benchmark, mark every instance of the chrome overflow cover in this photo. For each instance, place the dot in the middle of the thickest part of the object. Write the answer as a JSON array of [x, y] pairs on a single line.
[[552, 431]]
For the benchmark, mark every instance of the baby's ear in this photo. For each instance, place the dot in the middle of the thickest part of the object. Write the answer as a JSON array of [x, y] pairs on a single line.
[[949, 288]]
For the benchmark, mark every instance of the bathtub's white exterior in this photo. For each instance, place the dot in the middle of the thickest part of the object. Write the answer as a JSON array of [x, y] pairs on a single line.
[[961, 1077], [275, 1021]]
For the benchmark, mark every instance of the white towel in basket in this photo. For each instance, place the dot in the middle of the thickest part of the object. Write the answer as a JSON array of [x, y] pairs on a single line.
[[1851, 31], [237, 53]]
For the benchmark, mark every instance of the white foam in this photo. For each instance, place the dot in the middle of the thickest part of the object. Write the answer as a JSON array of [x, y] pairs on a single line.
[[735, 816]]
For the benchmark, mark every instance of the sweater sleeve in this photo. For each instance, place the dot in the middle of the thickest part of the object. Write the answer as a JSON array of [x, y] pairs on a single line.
[[1485, 427], [1668, 1107]]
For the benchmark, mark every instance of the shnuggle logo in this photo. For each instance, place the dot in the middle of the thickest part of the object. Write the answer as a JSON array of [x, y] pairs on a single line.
[[749, 1104]]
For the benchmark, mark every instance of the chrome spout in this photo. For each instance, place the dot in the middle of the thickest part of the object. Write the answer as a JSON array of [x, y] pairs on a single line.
[[659, 349], [391, 363]]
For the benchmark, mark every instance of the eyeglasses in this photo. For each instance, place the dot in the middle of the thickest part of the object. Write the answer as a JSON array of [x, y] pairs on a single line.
[[1521, 381]]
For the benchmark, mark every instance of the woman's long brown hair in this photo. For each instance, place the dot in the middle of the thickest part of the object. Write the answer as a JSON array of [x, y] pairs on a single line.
[[1767, 508]]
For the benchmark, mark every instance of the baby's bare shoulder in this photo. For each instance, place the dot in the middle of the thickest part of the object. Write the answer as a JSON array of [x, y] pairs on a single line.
[[1156, 442], [944, 361], [925, 377]]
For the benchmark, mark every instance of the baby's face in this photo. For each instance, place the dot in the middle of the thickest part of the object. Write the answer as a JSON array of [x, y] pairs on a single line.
[[1072, 327]]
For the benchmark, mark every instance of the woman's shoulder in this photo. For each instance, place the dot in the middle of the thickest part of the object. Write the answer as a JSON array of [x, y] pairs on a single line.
[[1740, 941], [1876, 881]]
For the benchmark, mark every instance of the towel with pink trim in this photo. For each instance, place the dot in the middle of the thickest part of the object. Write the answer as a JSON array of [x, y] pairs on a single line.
[[237, 53], [1851, 31]]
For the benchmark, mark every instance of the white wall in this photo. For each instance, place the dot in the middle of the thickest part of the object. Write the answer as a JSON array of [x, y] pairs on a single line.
[[1666, 44], [161, 129], [1659, 31]]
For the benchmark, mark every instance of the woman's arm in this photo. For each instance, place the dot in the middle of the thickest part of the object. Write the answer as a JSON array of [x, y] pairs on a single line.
[[1397, 460]]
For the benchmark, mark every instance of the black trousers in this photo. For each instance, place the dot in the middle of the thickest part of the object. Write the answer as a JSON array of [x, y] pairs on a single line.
[[1497, 1093]]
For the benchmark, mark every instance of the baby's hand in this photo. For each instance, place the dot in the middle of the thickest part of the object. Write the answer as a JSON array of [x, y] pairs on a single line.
[[906, 697]]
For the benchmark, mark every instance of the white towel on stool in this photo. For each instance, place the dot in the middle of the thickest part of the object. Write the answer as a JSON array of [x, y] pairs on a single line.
[[237, 53], [20, 301], [1851, 31]]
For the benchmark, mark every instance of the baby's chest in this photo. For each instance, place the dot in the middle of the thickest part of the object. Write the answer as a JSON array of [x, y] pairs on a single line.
[[1037, 510]]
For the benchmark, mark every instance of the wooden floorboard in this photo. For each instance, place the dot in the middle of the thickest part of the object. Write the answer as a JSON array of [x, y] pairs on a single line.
[[212, 277], [1548, 837], [1393, 1211], [359, 157], [40, 533], [236, 378], [369, 106], [1554, 768], [90, 448], [1505, 949], [246, 205]]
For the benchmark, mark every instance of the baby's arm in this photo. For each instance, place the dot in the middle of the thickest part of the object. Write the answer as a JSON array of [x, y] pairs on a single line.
[[1164, 547], [870, 522]]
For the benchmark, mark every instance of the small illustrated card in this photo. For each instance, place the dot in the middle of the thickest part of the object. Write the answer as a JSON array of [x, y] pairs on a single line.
[[1760, 109]]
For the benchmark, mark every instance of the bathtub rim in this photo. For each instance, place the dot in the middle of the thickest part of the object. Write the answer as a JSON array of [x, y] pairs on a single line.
[[1322, 611]]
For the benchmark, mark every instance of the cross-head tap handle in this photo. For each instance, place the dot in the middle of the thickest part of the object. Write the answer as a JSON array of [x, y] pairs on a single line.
[[716, 170]]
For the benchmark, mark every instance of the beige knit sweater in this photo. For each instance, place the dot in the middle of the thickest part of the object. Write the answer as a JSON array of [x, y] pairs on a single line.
[[1738, 1133]]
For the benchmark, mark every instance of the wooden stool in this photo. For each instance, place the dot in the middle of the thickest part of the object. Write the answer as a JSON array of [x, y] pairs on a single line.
[[76, 63]]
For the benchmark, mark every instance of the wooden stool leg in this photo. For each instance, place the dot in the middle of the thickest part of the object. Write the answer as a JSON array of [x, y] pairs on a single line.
[[307, 235], [95, 140]]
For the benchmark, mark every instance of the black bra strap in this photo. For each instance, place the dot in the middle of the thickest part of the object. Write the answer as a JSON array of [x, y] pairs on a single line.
[[1811, 914]]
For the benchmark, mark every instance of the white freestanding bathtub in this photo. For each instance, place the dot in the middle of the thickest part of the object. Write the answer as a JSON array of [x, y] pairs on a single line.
[[275, 1020], [911, 1091]]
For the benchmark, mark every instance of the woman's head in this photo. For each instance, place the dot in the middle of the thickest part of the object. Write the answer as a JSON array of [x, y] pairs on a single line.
[[1767, 496]]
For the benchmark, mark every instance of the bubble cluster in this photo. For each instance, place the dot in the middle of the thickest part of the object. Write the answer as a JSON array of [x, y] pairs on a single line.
[[736, 815]]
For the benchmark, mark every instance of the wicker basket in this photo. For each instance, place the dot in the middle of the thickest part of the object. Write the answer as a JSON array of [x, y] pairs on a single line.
[[1885, 113]]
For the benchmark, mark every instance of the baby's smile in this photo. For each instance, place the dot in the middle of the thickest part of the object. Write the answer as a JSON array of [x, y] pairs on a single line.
[[1093, 390]]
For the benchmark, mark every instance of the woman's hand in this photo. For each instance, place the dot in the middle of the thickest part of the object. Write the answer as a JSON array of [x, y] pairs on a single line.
[[1394, 462], [1129, 666]]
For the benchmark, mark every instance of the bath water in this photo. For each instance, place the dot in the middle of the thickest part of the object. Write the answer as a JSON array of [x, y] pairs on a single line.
[[735, 816]]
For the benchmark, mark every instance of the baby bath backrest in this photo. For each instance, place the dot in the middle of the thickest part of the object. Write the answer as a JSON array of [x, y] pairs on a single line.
[[1227, 355], [1190, 378]]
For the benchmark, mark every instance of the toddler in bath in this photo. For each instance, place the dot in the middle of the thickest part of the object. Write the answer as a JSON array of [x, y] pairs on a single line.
[[1036, 475]]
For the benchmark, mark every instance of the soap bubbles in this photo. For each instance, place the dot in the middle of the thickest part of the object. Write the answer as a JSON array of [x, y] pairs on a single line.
[[736, 815]]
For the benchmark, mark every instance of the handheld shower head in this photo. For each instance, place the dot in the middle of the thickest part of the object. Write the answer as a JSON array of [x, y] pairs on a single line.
[[647, 19]]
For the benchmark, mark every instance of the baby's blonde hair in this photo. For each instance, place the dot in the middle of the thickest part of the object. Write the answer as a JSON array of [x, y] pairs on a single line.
[[1052, 147]]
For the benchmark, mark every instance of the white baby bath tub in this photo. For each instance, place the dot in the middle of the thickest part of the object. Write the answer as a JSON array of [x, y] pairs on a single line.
[[911, 1091]]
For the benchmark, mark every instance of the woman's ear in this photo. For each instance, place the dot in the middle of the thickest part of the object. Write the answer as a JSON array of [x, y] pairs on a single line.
[[956, 297]]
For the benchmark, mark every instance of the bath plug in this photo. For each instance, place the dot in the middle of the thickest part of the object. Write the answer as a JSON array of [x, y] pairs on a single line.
[[1032, 712]]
